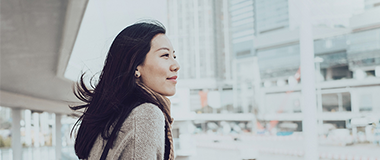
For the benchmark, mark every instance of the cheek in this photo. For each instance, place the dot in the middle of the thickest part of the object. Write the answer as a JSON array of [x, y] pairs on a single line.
[[156, 74], [159, 71]]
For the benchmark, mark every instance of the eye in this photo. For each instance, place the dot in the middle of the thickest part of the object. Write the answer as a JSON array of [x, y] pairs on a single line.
[[165, 55], [175, 57]]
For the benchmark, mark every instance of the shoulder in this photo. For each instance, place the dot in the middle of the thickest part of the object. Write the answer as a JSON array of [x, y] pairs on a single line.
[[143, 133], [147, 110], [146, 119], [142, 115]]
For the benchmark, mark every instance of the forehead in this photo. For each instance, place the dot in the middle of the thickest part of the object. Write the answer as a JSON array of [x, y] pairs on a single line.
[[161, 40]]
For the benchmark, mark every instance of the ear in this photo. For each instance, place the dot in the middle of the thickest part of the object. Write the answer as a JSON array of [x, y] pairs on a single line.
[[137, 72], [138, 68]]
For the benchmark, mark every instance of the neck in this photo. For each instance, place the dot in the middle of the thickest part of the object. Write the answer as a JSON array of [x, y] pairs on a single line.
[[162, 101]]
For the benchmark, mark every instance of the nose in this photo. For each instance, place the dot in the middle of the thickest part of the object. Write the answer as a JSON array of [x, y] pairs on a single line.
[[175, 66]]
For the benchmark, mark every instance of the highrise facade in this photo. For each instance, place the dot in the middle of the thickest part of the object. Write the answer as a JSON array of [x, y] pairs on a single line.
[[271, 15], [242, 27], [196, 29], [242, 34], [199, 32]]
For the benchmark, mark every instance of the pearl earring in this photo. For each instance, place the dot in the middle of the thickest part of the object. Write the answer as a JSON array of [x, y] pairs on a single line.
[[137, 74]]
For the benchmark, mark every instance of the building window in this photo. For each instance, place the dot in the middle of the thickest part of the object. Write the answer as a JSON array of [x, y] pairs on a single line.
[[365, 103], [337, 73], [336, 102], [242, 53], [335, 124]]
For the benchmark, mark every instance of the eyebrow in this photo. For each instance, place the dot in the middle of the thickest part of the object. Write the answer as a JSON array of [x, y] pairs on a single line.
[[164, 48]]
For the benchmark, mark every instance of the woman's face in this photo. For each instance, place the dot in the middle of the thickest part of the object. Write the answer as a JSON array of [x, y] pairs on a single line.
[[159, 70]]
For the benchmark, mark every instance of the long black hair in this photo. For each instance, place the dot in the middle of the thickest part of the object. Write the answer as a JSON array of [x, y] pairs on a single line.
[[116, 93]]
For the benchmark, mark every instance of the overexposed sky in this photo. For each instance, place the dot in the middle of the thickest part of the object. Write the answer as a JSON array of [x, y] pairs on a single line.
[[102, 21]]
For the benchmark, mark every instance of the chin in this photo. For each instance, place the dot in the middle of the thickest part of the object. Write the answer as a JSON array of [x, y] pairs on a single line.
[[171, 93]]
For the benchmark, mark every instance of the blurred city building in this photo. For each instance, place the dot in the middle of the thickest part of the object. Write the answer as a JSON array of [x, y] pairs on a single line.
[[242, 35], [199, 32], [199, 29], [347, 52], [259, 44]]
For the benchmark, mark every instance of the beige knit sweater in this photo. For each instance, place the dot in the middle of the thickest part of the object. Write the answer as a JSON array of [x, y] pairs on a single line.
[[141, 137]]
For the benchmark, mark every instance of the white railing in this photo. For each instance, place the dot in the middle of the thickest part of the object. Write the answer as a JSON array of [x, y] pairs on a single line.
[[39, 153]]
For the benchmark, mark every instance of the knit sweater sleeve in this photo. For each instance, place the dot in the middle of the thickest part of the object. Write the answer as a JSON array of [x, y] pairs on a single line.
[[147, 140]]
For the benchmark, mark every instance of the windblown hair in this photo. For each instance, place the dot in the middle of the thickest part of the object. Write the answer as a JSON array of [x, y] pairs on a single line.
[[111, 100]]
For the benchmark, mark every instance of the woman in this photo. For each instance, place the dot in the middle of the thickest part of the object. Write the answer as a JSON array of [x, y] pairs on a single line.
[[126, 115]]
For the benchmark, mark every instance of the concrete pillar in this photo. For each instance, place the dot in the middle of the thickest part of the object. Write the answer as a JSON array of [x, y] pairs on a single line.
[[235, 84], [340, 102], [319, 94], [44, 119], [28, 127], [36, 129], [377, 71], [257, 93], [244, 100], [16, 134], [204, 126], [58, 136], [355, 133], [44, 122], [309, 109], [355, 100]]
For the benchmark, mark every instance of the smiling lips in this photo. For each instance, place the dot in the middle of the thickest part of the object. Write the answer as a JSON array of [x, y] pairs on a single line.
[[174, 79]]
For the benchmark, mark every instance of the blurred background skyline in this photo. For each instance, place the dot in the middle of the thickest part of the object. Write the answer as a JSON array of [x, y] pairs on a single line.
[[239, 92]]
